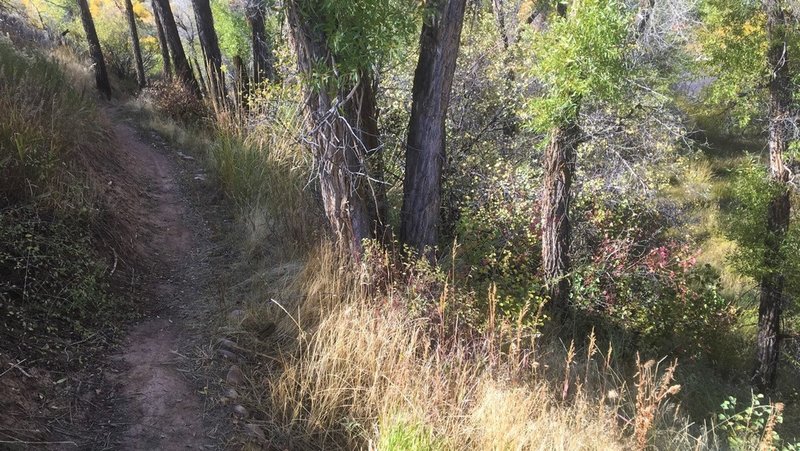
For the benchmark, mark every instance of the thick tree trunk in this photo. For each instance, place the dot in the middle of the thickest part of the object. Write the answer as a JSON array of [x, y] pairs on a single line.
[[211, 52], [338, 151], [425, 148], [100, 72], [771, 296], [182, 69], [141, 78], [263, 59], [559, 167], [162, 42]]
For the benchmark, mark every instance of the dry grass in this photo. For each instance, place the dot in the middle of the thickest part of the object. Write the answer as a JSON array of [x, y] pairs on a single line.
[[354, 369], [49, 131]]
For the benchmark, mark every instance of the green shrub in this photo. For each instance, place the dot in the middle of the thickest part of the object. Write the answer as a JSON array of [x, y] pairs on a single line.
[[402, 435], [754, 426], [629, 272], [52, 284], [500, 235], [745, 222]]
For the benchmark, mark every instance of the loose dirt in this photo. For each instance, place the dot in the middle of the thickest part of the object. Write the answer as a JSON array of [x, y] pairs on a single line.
[[155, 388], [156, 402]]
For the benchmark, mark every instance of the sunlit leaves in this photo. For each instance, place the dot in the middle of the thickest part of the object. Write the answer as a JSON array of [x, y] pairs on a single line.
[[732, 48], [579, 56], [362, 34], [232, 30]]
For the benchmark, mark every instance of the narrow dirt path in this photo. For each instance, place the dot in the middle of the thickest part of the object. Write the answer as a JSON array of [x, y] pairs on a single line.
[[156, 405]]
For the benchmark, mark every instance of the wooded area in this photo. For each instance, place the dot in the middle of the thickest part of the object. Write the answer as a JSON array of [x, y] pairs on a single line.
[[478, 183]]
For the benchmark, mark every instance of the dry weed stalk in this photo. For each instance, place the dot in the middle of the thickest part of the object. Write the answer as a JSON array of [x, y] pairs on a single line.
[[650, 393], [766, 443]]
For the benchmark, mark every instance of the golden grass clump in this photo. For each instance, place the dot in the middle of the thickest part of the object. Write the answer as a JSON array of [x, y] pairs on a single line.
[[352, 369]]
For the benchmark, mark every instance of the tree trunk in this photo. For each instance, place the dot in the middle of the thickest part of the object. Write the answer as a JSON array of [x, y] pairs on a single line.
[[211, 52], [559, 168], [242, 83], [100, 72], [141, 78], [498, 8], [771, 284], [365, 108], [162, 42], [182, 69], [263, 59], [425, 148], [200, 81], [338, 152]]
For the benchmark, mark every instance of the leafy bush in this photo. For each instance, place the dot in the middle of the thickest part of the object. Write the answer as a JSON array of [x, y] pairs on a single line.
[[629, 271], [745, 222], [118, 51], [501, 234], [754, 426]]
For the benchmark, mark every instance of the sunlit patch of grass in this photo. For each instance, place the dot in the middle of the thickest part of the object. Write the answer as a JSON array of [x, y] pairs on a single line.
[[715, 252]]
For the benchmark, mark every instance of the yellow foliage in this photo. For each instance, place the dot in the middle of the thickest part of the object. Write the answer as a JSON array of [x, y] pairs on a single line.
[[141, 11]]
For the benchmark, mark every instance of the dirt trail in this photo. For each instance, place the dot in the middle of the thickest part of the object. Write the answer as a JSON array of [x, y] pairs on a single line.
[[156, 405]]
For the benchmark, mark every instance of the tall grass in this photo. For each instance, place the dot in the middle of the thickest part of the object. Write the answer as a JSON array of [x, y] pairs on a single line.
[[352, 368], [45, 125]]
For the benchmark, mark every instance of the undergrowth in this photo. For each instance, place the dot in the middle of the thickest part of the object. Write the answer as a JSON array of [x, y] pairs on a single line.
[[54, 288], [385, 353]]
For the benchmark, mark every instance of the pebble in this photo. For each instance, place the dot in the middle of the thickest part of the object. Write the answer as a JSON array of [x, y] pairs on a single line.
[[227, 354], [240, 411], [235, 376], [225, 343], [231, 393]]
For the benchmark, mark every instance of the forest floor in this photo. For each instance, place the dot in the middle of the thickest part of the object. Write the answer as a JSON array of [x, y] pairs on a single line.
[[157, 384], [157, 406]]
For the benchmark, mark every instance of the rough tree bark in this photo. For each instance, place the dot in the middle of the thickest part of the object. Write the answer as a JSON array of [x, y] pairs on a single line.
[[338, 151], [263, 59], [771, 284], [211, 52], [559, 168], [182, 69], [425, 148], [141, 78], [162, 42], [100, 72]]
